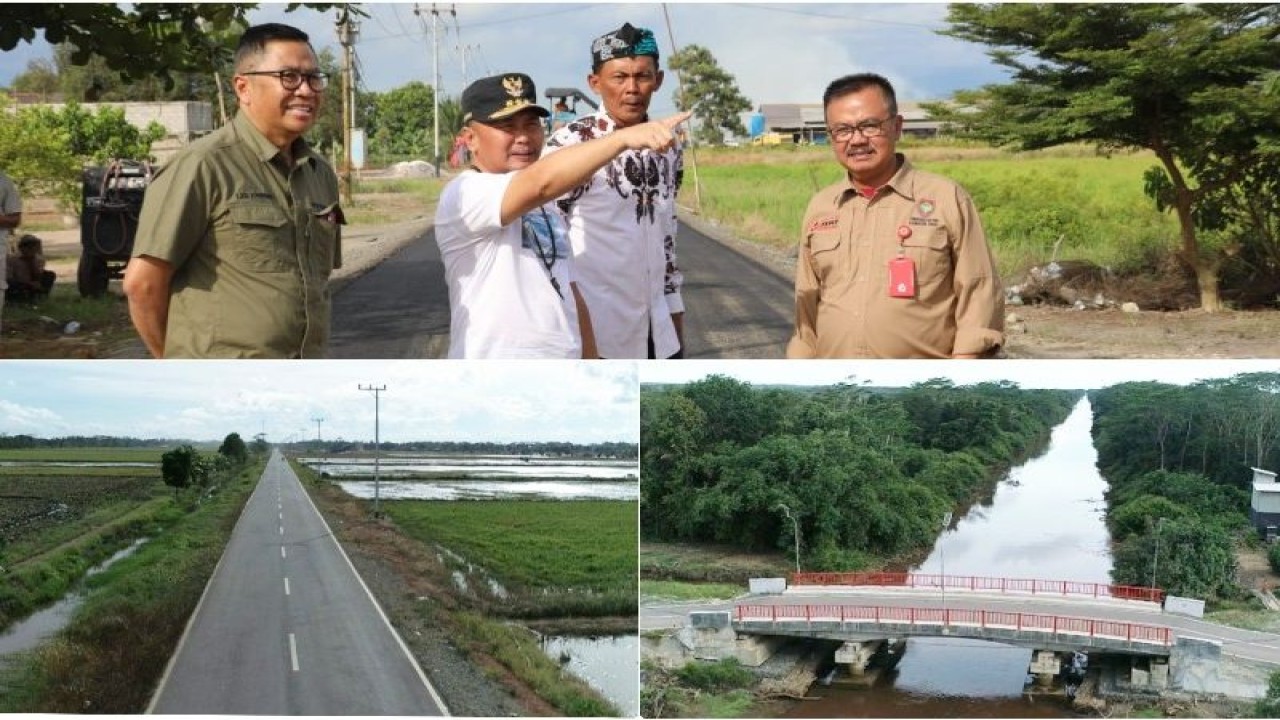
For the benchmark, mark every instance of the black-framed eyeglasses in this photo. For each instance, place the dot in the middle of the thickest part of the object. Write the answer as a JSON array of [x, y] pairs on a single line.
[[292, 79], [868, 128]]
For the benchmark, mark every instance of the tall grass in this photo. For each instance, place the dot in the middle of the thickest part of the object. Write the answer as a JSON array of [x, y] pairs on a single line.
[[1089, 207], [518, 649]]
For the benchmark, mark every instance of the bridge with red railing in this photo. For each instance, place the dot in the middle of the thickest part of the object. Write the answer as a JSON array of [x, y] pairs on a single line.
[[1003, 586], [835, 621]]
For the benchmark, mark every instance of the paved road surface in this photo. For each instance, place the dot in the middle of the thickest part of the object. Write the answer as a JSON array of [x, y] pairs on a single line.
[[736, 307], [286, 626], [1248, 644]]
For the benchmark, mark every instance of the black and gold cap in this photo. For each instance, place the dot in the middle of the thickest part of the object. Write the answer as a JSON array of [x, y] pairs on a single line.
[[501, 96]]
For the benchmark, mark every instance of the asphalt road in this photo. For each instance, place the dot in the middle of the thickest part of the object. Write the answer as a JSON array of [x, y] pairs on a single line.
[[287, 627], [735, 307], [1247, 644]]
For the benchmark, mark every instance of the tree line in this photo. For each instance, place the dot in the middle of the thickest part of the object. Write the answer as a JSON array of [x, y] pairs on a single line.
[[1177, 460], [866, 475], [18, 442], [612, 450]]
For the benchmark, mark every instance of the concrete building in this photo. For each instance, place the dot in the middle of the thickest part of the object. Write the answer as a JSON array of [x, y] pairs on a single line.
[[1264, 505], [805, 123]]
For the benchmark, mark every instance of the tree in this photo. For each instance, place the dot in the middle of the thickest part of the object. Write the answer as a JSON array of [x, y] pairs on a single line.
[[402, 120], [1269, 705], [179, 467], [40, 78], [1187, 82], [710, 92], [234, 449], [136, 40], [44, 149]]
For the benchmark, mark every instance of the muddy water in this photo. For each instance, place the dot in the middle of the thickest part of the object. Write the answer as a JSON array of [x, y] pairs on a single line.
[[1044, 521], [44, 624], [609, 663]]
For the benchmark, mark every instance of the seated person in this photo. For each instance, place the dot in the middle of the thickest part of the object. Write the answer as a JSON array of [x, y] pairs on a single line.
[[28, 280]]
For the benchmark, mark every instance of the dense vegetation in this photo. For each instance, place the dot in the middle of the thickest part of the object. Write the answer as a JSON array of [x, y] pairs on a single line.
[[8, 442], [1178, 463], [865, 474]]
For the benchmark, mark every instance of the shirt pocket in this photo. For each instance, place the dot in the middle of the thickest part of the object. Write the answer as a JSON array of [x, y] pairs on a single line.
[[930, 250], [325, 236], [823, 258], [263, 237]]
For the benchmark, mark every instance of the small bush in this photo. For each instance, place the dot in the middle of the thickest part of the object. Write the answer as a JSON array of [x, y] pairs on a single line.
[[1273, 556], [715, 677]]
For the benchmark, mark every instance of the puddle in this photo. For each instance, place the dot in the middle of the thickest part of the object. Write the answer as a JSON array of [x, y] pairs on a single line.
[[496, 490]]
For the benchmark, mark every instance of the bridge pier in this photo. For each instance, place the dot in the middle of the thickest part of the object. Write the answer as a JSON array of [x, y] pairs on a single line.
[[856, 655], [1045, 666]]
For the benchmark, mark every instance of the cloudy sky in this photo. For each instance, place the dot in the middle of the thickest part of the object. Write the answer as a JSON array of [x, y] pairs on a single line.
[[779, 53], [1069, 374], [424, 400]]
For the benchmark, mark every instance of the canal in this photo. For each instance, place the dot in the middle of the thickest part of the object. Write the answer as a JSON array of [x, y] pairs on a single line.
[[1044, 521]]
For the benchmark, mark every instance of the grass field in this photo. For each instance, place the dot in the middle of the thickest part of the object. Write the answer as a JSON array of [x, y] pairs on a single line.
[[1083, 205], [85, 454], [533, 544]]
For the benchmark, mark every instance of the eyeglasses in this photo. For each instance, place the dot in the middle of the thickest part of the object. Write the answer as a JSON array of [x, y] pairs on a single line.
[[292, 79], [868, 128]]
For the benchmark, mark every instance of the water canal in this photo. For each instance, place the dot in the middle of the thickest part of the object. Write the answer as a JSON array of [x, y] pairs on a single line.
[[1045, 521]]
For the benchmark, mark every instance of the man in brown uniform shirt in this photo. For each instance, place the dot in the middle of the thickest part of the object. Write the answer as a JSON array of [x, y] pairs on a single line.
[[893, 262], [239, 232]]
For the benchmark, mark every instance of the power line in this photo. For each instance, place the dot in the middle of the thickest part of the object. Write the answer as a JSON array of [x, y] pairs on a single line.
[[826, 16], [377, 445]]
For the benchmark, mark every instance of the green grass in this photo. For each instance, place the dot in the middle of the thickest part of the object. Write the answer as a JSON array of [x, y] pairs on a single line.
[[675, 590], [1027, 201], [85, 454], [533, 543], [375, 202], [64, 303]]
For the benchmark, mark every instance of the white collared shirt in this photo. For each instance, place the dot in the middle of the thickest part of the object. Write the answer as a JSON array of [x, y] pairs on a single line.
[[622, 225]]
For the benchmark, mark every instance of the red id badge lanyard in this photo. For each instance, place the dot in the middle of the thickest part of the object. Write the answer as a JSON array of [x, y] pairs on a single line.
[[902, 269]]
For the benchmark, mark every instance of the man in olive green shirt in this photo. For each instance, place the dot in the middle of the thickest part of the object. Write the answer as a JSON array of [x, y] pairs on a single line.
[[239, 232]]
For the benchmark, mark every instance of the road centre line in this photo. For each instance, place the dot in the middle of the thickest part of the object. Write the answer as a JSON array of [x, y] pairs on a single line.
[[286, 586], [282, 555], [293, 652]]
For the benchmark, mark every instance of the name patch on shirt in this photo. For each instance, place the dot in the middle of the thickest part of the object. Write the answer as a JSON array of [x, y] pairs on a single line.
[[824, 223], [923, 210], [255, 196]]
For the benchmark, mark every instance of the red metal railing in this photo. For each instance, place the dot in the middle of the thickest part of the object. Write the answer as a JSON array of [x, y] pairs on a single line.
[[983, 584], [1032, 622]]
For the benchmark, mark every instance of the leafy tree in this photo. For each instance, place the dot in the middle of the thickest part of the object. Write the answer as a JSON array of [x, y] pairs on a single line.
[[44, 149], [1187, 82], [710, 92], [234, 449], [179, 467], [1193, 560], [40, 78], [136, 40], [402, 120]]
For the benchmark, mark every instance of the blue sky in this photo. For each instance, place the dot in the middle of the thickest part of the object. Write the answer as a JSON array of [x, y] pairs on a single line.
[[779, 53], [424, 400], [1066, 374]]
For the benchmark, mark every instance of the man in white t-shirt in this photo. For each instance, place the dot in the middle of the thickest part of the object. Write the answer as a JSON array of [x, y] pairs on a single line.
[[10, 218], [512, 289], [622, 221]]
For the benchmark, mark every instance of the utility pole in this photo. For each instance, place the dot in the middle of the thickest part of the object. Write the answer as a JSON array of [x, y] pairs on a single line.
[[1155, 561], [942, 558], [796, 525], [347, 38], [319, 441], [377, 444]]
